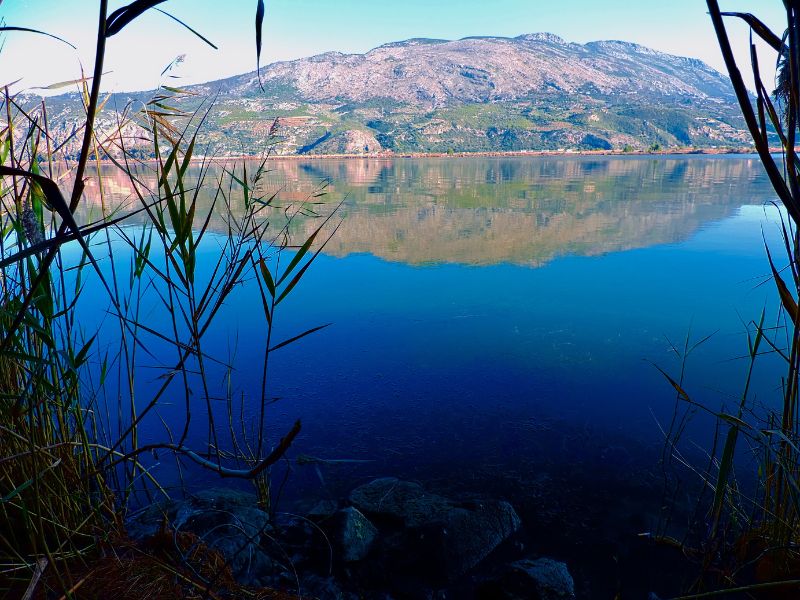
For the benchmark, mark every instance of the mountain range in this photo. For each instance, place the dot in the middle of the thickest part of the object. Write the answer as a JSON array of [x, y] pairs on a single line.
[[532, 92]]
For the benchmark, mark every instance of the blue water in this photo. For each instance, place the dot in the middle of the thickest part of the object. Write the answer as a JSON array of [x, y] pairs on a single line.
[[482, 309]]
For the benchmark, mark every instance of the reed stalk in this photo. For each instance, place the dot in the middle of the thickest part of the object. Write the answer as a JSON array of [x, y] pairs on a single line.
[[748, 537], [73, 406]]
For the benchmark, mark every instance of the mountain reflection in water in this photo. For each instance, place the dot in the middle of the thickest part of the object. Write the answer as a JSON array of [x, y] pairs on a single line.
[[492, 315], [483, 211]]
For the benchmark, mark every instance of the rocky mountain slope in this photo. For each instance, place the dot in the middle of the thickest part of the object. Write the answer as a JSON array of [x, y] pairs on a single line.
[[532, 92]]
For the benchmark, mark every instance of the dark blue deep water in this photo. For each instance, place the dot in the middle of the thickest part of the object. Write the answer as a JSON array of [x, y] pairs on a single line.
[[493, 321]]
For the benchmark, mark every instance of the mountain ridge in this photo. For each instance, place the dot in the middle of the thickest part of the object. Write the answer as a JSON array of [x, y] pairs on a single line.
[[531, 92]]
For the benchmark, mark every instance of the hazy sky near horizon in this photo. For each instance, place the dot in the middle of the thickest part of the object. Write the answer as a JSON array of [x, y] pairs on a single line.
[[298, 28]]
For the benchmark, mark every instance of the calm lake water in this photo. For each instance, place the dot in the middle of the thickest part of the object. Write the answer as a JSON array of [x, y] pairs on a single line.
[[500, 318]]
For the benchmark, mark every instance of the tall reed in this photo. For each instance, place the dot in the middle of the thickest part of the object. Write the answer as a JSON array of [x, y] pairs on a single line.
[[748, 536], [77, 417]]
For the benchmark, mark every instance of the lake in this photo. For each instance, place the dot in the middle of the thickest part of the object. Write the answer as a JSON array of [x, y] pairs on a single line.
[[497, 322]]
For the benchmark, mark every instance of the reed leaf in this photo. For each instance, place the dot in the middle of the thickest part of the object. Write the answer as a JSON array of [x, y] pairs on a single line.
[[198, 34], [28, 30], [787, 300], [299, 336], [764, 32], [267, 276], [121, 17]]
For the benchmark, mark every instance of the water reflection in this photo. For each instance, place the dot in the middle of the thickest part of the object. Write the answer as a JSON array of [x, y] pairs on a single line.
[[500, 373], [483, 211]]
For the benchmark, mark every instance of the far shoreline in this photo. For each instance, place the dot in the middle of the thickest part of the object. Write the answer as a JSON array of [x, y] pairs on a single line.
[[493, 154], [387, 156]]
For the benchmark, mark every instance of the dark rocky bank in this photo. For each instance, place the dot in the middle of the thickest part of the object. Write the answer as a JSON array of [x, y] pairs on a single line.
[[388, 539]]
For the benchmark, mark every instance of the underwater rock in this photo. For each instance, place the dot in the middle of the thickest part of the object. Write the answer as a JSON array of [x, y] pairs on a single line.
[[431, 535], [355, 534], [226, 520], [148, 522], [299, 545], [403, 501], [237, 536], [322, 510], [540, 579], [394, 533], [224, 499], [458, 540], [324, 588]]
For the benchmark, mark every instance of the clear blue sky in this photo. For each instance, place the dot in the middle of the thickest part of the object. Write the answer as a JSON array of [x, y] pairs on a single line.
[[296, 28]]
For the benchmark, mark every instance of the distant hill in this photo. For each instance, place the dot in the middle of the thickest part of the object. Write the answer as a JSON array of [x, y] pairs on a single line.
[[532, 92]]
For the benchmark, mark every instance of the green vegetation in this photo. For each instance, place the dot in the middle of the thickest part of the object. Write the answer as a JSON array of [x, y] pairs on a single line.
[[69, 470], [534, 123]]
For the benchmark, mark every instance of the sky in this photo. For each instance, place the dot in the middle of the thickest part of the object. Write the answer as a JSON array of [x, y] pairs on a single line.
[[298, 28]]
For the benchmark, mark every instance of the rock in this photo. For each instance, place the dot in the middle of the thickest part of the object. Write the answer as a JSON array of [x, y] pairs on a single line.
[[236, 534], [430, 534], [298, 543], [540, 579], [226, 520], [324, 588], [355, 535], [394, 532], [147, 522], [224, 499], [464, 537], [322, 510], [403, 501]]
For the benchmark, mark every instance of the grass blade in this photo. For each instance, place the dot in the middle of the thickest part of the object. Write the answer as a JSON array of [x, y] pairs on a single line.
[[198, 34], [28, 30], [299, 336]]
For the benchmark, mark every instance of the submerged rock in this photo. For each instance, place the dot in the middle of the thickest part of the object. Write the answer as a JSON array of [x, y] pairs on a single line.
[[322, 510], [430, 535], [540, 579], [150, 520], [403, 501], [226, 520], [458, 540], [325, 588], [394, 535], [356, 534]]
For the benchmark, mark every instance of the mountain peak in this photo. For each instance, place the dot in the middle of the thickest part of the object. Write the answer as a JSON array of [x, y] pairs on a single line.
[[550, 38]]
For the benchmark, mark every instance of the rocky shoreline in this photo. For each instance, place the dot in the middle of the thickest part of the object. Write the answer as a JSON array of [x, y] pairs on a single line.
[[388, 156], [388, 538]]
